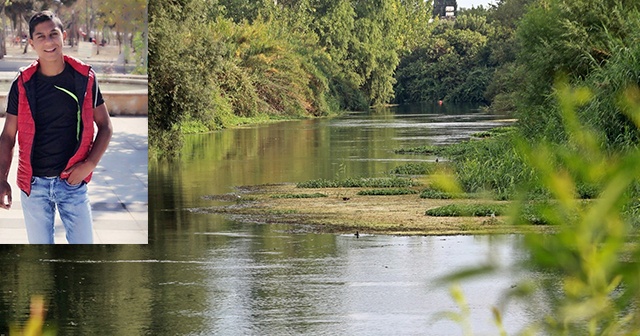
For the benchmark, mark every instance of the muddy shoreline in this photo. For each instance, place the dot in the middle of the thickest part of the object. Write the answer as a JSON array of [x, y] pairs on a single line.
[[343, 211]]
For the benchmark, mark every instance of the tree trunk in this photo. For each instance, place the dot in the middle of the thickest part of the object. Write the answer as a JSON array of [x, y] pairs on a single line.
[[145, 36], [26, 45], [3, 44], [119, 41]]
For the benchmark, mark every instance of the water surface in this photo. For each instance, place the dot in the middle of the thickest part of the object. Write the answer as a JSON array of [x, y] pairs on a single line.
[[205, 274]]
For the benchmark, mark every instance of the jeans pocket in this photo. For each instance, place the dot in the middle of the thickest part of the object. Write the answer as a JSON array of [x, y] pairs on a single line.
[[72, 186]]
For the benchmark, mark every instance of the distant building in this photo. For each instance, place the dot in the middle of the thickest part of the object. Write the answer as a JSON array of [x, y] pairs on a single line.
[[445, 9]]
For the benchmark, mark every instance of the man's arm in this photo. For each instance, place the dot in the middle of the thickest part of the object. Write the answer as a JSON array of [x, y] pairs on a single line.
[[7, 142], [82, 169]]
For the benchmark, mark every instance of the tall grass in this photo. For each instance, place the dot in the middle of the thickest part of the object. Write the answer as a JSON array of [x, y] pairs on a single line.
[[491, 164]]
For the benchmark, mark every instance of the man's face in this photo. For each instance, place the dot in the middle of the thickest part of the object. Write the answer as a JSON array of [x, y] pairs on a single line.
[[47, 41]]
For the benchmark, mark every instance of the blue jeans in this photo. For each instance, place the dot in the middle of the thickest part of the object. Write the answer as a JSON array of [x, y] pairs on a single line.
[[73, 205]]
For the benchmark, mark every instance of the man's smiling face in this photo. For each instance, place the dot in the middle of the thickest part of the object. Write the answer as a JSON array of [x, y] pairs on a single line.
[[47, 41]]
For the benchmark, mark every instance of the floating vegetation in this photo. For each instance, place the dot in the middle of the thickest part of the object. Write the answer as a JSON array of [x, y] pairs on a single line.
[[387, 192], [314, 195], [422, 168], [361, 182], [494, 132], [427, 150]]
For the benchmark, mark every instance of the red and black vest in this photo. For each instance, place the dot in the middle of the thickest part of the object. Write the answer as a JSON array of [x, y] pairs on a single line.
[[27, 127]]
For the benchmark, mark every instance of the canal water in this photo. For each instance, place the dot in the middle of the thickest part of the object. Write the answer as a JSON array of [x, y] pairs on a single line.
[[206, 274]]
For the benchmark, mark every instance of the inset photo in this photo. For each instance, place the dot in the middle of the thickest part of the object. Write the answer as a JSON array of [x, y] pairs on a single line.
[[73, 147]]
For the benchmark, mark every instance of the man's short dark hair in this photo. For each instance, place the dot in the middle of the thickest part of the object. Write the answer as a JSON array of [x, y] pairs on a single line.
[[41, 17]]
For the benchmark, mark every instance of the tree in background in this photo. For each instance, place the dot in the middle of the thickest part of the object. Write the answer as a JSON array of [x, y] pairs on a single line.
[[128, 17], [364, 38], [447, 67], [230, 71], [125, 16], [466, 60], [374, 55]]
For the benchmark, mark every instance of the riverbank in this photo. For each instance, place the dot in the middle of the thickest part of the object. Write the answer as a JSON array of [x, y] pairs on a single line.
[[344, 211]]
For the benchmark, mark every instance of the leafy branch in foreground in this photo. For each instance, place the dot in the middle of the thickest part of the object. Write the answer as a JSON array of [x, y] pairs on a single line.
[[598, 286], [592, 251]]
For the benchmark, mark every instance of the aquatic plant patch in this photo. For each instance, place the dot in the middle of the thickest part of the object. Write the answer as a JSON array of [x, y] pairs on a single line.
[[387, 192], [425, 150], [468, 210], [314, 195], [422, 168], [362, 182], [494, 131]]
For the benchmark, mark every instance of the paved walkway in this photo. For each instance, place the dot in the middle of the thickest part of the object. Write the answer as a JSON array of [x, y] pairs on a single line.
[[118, 191]]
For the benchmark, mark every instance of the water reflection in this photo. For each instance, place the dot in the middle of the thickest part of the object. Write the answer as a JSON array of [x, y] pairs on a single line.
[[210, 275], [276, 283], [358, 144]]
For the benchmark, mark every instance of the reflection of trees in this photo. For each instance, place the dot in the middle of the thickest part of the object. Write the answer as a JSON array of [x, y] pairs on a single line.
[[91, 289], [21, 280], [164, 194], [285, 152]]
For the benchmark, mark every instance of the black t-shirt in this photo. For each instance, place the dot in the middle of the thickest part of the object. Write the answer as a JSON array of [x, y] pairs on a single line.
[[56, 116]]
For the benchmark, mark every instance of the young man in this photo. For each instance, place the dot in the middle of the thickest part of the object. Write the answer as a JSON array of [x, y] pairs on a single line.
[[52, 107]]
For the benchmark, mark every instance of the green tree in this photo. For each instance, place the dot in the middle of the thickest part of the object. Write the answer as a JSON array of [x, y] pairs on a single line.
[[573, 38], [230, 71], [447, 67], [126, 16], [375, 53], [414, 16]]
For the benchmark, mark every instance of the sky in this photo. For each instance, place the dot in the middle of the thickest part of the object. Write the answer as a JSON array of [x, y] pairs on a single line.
[[474, 3]]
